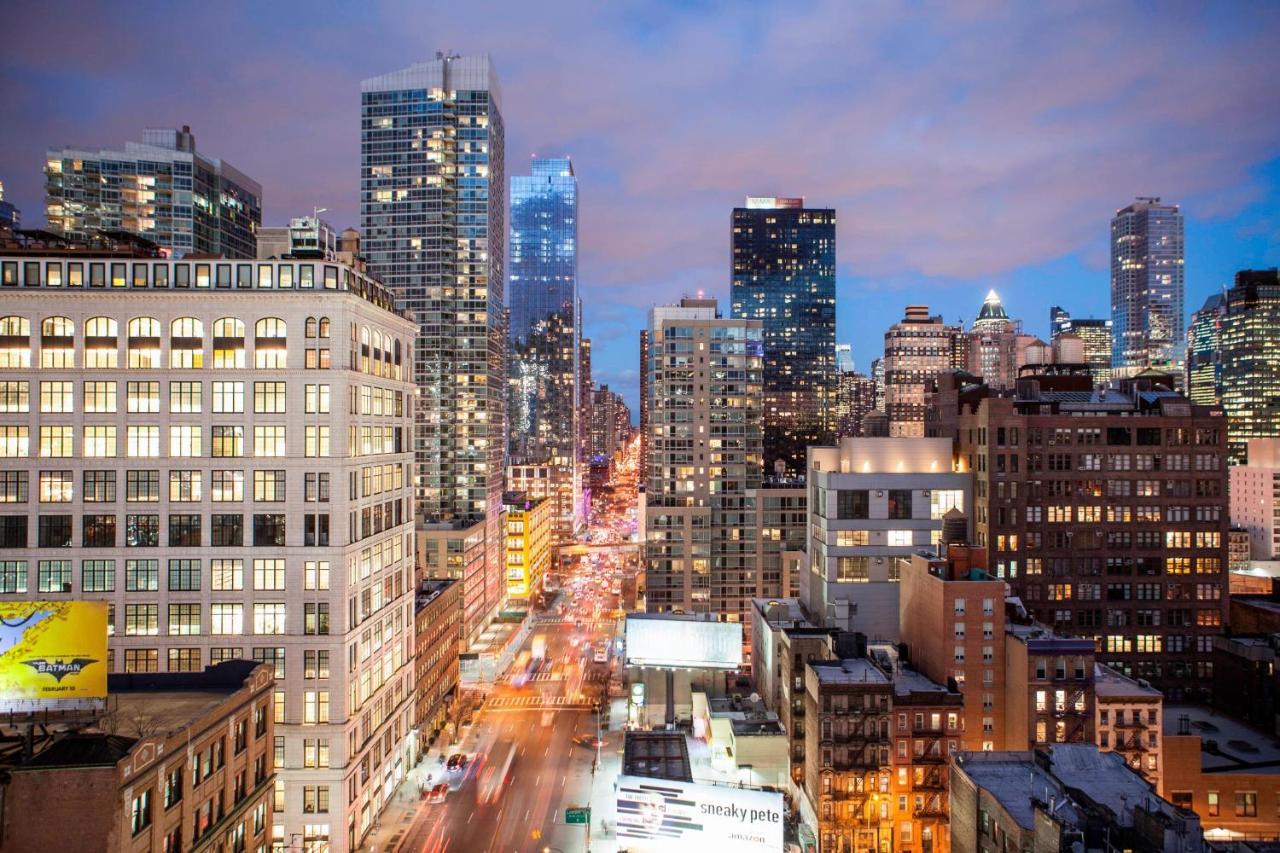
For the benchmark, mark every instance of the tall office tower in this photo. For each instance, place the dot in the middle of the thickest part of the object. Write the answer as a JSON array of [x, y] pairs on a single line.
[[916, 348], [1059, 321], [704, 459], [994, 346], [10, 216], [161, 189], [544, 334], [1250, 366], [610, 422], [877, 374], [586, 391], [1204, 352], [855, 399], [433, 224], [644, 405], [844, 358], [1095, 339], [1147, 288], [784, 274], [182, 449], [1106, 511]]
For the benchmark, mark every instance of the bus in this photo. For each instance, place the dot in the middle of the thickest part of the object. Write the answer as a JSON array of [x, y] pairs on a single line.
[[496, 771]]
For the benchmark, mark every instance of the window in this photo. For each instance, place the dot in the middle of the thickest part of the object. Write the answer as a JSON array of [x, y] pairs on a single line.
[[317, 399], [317, 487], [317, 441], [55, 486], [185, 486], [55, 397], [268, 574], [316, 574], [316, 530], [99, 441], [1246, 804], [13, 531], [144, 342], [852, 503], [185, 440], [141, 620], [15, 442], [315, 707], [184, 531], [56, 442], [268, 441], [852, 569], [226, 575], [142, 531], [269, 398], [186, 344], [15, 396], [269, 344], [228, 441], [184, 619], [269, 530], [273, 655], [15, 342], [899, 538], [228, 343], [228, 398], [14, 486], [185, 398], [184, 575], [143, 441], [226, 619], [140, 397], [98, 575], [101, 342], [899, 503], [57, 342], [54, 575], [227, 486], [140, 812], [1212, 801], [268, 486], [184, 659], [268, 618], [141, 575], [13, 576], [142, 486], [851, 538], [98, 531], [99, 486], [141, 660], [55, 531], [227, 531]]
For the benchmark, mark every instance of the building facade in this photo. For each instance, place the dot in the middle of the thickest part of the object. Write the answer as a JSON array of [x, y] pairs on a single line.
[[10, 216], [219, 451], [1204, 352], [544, 332], [432, 216], [855, 399], [1250, 371], [1129, 719], [704, 460], [1095, 337], [530, 522], [916, 349], [161, 189], [784, 275], [1254, 487], [1147, 288], [1106, 511], [872, 503], [438, 640]]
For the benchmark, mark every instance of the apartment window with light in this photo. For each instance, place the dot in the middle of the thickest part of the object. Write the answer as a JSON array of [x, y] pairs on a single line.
[[15, 396], [55, 397], [268, 618], [226, 486], [269, 398], [268, 441], [226, 618], [317, 399], [184, 619], [228, 398], [317, 441], [315, 707], [57, 442], [99, 441], [228, 442]]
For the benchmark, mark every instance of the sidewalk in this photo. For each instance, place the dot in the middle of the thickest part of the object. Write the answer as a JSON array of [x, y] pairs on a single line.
[[603, 791], [398, 815]]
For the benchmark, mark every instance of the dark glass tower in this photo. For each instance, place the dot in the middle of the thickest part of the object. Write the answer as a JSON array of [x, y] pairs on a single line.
[[784, 274], [1250, 371], [1147, 323]]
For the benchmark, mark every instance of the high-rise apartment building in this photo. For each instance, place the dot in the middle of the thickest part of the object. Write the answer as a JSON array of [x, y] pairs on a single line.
[[855, 399], [1147, 287], [872, 503], [220, 451], [1106, 511], [1250, 368], [1255, 497], [916, 349], [784, 275], [1096, 341], [586, 390], [610, 422], [1204, 352], [844, 358], [644, 405], [433, 223], [704, 459], [544, 333], [161, 189]]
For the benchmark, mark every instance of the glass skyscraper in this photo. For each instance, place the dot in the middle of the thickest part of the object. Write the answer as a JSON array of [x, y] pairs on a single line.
[[544, 329], [1147, 321], [784, 274], [161, 189], [432, 214], [1250, 369], [1204, 352]]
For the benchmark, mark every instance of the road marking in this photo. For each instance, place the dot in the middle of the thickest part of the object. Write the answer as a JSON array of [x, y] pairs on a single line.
[[564, 781]]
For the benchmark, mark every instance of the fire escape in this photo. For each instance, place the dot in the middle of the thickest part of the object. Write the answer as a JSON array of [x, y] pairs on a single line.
[[859, 738]]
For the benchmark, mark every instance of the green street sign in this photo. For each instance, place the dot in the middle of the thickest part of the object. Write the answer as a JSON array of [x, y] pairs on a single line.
[[582, 815]]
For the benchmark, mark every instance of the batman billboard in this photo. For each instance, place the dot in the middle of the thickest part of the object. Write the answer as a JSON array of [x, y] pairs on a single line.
[[53, 654]]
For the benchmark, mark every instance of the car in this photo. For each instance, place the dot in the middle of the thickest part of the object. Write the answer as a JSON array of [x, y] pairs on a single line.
[[457, 763], [588, 740], [438, 793]]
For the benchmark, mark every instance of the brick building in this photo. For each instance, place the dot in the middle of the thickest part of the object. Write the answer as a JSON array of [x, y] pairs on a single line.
[[1106, 511], [182, 761], [438, 638]]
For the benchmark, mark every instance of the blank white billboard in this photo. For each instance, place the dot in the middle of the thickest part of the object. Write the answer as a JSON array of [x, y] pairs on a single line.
[[684, 643]]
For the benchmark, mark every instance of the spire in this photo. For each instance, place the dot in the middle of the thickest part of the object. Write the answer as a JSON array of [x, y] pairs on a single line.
[[992, 308]]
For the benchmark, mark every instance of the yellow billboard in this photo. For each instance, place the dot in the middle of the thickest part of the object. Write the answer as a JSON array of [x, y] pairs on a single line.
[[52, 653]]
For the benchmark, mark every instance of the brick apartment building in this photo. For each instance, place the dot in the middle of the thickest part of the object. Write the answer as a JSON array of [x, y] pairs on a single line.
[[1106, 511]]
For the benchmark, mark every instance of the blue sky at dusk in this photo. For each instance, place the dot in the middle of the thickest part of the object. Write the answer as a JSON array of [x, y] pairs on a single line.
[[964, 145]]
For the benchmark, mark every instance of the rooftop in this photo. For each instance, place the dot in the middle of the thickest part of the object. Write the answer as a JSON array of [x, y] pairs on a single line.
[[431, 590], [1227, 745], [756, 728], [848, 671], [1107, 780], [1016, 781], [657, 755], [784, 613], [1110, 684], [909, 682]]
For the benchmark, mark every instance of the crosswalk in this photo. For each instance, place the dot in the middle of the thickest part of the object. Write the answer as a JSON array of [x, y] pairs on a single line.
[[592, 676], [525, 703], [594, 624]]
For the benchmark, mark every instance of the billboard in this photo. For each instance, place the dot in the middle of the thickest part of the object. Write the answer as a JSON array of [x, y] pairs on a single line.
[[662, 815], [675, 642], [53, 654]]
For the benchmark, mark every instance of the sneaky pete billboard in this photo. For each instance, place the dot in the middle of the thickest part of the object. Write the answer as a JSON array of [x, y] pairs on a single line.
[[661, 815]]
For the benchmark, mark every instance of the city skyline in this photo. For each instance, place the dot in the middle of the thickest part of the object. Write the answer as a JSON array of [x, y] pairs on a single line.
[[1055, 168]]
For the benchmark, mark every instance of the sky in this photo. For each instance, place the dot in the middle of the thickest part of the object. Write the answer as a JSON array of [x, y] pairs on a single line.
[[964, 145]]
